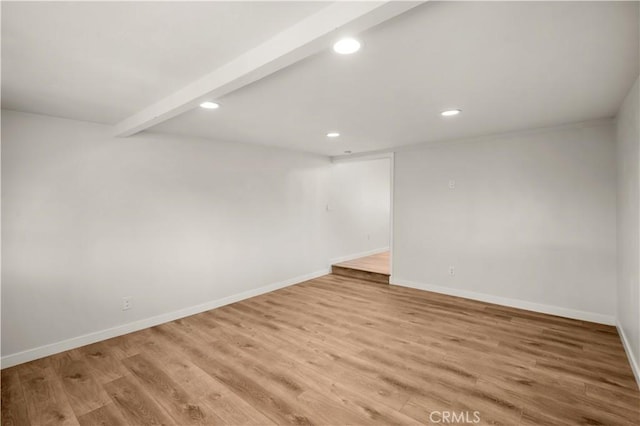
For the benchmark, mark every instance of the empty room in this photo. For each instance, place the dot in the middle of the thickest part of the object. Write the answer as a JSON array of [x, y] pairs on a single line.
[[320, 213]]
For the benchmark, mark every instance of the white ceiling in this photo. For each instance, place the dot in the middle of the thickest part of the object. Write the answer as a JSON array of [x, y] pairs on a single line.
[[507, 65], [104, 61]]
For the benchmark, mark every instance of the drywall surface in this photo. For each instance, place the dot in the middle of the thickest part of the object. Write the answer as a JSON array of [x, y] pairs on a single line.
[[628, 150], [171, 222], [531, 218], [359, 206]]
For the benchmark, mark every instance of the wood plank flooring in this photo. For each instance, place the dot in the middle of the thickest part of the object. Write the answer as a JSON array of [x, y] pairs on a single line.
[[335, 351], [377, 263]]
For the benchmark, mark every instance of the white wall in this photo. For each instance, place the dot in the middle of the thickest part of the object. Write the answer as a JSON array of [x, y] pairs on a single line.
[[360, 198], [172, 222], [530, 223], [179, 224], [628, 150], [175, 222]]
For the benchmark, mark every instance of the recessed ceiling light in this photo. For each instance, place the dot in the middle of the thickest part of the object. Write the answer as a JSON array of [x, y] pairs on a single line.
[[333, 134], [347, 46], [209, 105], [450, 112]]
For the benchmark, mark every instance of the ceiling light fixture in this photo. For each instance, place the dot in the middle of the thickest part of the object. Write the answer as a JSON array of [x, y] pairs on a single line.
[[209, 105], [333, 134], [346, 46], [450, 112]]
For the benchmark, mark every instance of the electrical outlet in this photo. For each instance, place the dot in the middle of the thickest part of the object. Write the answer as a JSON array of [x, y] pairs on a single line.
[[452, 271], [126, 303], [452, 184]]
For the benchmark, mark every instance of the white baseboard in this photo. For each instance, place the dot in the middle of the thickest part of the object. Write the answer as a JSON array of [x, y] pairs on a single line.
[[629, 351], [87, 339], [357, 255], [514, 303]]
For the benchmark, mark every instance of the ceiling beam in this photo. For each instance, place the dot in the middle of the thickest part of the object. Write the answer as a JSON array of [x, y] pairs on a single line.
[[305, 38]]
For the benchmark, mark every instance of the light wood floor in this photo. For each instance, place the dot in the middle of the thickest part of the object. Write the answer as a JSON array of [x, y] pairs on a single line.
[[377, 263], [336, 351]]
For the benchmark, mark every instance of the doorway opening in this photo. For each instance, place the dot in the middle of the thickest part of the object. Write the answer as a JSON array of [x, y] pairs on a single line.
[[361, 207]]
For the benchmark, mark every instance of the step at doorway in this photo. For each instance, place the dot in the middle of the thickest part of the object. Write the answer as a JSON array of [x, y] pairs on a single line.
[[374, 268]]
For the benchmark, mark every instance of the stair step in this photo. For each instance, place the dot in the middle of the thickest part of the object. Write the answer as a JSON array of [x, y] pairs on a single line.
[[360, 274]]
